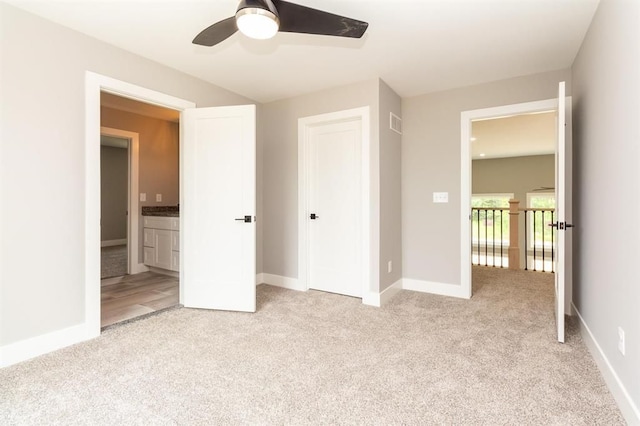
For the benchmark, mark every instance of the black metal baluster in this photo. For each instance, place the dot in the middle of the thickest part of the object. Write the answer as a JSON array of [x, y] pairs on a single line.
[[544, 268], [501, 239], [493, 236], [486, 238], [478, 243], [526, 254], [535, 267]]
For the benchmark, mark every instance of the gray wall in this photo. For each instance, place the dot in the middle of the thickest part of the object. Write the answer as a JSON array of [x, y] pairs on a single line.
[[280, 174], [390, 188], [159, 142], [431, 163], [606, 100], [518, 175], [280, 165], [114, 173], [42, 126]]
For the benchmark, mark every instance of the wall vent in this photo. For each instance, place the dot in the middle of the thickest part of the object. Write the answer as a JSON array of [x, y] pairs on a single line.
[[395, 123]]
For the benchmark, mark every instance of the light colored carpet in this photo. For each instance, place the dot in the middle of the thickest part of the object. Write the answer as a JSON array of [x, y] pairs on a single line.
[[113, 261], [319, 358]]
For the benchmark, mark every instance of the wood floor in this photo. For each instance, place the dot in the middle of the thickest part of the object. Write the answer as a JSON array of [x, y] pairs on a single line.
[[130, 296]]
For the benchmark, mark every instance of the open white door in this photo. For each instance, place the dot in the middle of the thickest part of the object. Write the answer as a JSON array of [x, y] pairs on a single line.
[[562, 207], [218, 231]]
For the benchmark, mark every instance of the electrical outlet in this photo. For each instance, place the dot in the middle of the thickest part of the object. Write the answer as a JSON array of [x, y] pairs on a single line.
[[621, 342], [143, 196], [389, 266], [158, 197]]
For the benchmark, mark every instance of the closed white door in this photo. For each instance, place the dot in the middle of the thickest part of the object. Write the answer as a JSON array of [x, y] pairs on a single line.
[[334, 219], [217, 229]]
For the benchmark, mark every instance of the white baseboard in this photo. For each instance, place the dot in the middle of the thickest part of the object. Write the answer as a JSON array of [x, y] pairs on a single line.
[[139, 268], [167, 272], [440, 289], [627, 407], [259, 278], [280, 281], [111, 243], [23, 350], [380, 299]]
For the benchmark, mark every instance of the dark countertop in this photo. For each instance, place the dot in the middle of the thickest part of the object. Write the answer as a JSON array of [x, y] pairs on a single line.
[[163, 211]]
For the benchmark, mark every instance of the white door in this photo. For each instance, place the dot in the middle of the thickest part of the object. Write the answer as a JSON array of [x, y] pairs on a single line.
[[218, 231], [335, 208], [563, 203]]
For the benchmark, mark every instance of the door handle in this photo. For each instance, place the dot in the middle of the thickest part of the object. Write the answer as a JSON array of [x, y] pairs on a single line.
[[561, 225], [314, 216], [246, 219]]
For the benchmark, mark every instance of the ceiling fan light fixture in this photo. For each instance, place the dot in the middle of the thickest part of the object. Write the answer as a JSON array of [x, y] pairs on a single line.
[[257, 23]]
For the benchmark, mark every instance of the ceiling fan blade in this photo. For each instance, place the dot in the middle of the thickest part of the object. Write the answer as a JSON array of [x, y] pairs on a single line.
[[295, 18], [217, 32]]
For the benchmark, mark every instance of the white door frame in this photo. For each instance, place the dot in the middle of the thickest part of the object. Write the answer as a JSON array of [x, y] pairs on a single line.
[[94, 84], [466, 118], [369, 233], [133, 151]]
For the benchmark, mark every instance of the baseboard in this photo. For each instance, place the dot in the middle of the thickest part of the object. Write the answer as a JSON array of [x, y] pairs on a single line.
[[174, 274], [23, 350], [280, 281], [440, 289], [111, 243], [627, 407], [259, 278], [139, 268], [380, 299]]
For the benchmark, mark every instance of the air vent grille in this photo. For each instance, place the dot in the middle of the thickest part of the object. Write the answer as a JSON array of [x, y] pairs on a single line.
[[395, 123]]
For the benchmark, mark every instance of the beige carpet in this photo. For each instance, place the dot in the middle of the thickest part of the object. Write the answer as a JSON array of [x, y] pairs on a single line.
[[318, 358]]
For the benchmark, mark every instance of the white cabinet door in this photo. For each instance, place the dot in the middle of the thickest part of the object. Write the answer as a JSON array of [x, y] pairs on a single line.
[[162, 243], [175, 240], [149, 256], [218, 231], [148, 238], [175, 260]]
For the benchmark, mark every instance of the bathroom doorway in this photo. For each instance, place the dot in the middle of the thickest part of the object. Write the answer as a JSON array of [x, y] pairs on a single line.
[[139, 159]]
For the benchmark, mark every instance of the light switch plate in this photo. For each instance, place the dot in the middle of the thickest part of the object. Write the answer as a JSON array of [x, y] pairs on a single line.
[[158, 197], [143, 196], [440, 197]]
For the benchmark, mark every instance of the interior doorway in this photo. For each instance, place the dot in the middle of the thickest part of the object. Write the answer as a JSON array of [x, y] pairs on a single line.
[[513, 167], [563, 194], [139, 187], [114, 206]]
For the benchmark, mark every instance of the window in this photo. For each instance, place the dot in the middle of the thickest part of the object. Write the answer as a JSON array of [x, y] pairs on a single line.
[[539, 232], [490, 219], [491, 200]]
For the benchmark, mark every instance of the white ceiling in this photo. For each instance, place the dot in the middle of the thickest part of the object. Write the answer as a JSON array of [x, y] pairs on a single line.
[[515, 136], [416, 46]]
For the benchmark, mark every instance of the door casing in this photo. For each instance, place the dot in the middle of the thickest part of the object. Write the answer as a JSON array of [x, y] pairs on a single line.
[[369, 175], [94, 84], [133, 264], [466, 117]]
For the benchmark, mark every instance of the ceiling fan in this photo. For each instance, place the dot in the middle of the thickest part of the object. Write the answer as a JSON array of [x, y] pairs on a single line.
[[262, 19]]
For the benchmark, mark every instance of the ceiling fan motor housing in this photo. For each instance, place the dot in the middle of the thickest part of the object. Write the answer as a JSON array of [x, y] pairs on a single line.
[[258, 4]]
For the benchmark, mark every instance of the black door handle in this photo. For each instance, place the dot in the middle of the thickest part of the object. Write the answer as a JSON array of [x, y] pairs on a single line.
[[314, 216], [246, 219]]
